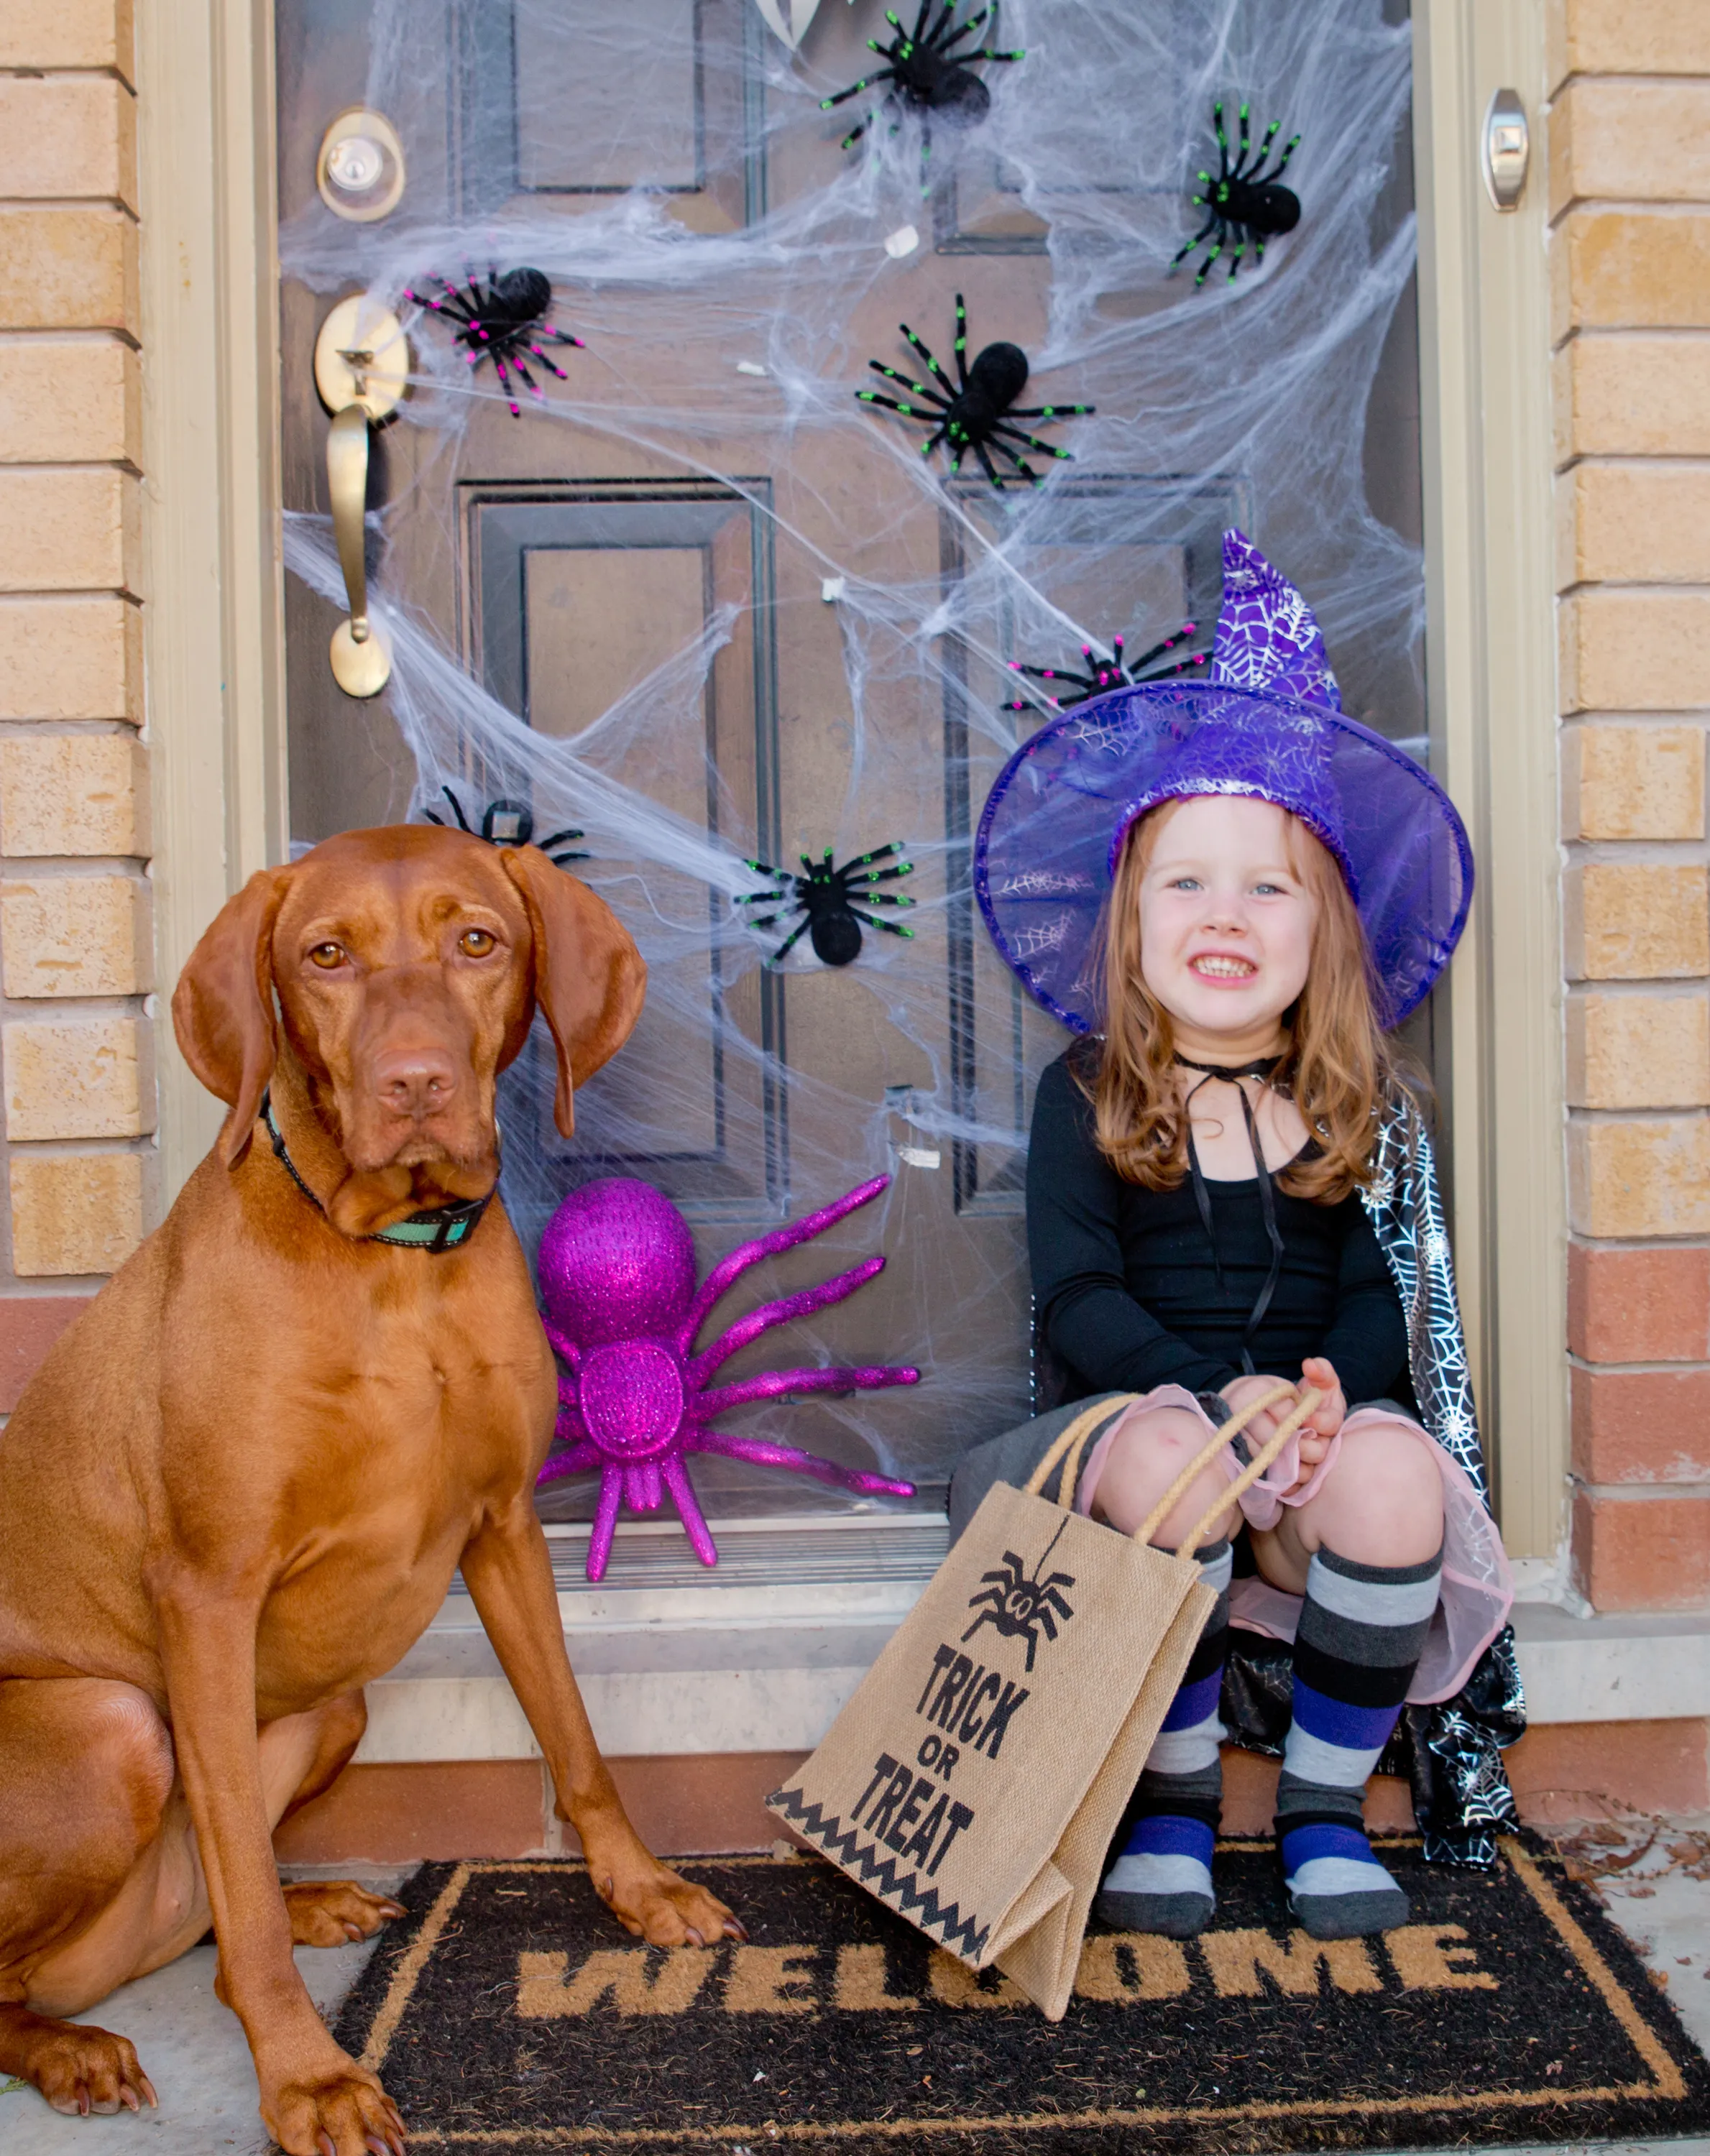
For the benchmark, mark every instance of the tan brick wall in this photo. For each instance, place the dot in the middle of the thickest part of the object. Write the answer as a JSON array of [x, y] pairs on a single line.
[[76, 941], [1629, 176]]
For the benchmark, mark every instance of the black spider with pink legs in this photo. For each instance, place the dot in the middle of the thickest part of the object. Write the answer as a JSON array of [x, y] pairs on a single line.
[[501, 321], [1116, 672]]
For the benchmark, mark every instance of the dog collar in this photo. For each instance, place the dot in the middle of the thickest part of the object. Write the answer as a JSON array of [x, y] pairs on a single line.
[[445, 1228]]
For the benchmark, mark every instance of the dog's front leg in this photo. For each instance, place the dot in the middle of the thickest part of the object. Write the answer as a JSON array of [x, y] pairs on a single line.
[[509, 1574], [315, 2100]]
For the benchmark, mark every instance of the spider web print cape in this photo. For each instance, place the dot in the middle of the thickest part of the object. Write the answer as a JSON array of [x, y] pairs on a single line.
[[1451, 1753]]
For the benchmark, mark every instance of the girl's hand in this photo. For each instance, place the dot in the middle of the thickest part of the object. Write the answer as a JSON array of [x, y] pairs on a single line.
[[1332, 1411], [1262, 1427], [1324, 1421]]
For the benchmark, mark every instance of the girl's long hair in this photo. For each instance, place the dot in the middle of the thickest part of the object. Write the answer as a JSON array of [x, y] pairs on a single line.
[[1337, 1066]]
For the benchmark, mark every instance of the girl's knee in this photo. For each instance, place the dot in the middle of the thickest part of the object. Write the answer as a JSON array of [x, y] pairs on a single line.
[[1382, 1501], [1144, 1461]]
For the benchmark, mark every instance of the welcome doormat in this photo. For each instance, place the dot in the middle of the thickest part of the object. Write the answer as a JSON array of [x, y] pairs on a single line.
[[508, 2012]]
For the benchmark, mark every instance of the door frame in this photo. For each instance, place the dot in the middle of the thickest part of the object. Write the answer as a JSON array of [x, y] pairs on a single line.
[[215, 658]]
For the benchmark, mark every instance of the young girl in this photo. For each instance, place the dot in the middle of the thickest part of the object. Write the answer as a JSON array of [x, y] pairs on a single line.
[[1228, 1187]]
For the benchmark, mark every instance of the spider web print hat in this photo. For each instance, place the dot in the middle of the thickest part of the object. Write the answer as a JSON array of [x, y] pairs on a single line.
[[1266, 722]]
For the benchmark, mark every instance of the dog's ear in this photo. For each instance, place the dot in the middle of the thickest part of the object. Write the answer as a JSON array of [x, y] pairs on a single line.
[[590, 981], [223, 1007]]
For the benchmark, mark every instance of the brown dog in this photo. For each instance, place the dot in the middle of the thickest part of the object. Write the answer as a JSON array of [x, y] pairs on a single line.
[[240, 1485]]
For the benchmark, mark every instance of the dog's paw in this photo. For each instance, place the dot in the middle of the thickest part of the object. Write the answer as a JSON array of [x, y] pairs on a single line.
[[81, 2070], [342, 2113], [653, 1903], [332, 1912]]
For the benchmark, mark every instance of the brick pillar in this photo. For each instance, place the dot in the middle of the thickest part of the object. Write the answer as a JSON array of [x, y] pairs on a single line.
[[75, 936], [1630, 190]]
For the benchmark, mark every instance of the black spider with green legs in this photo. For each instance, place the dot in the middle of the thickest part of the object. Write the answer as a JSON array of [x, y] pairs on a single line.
[[1242, 199], [927, 73], [829, 900], [975, 413]]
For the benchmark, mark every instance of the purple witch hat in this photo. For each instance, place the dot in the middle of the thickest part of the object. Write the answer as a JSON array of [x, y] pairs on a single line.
[[1267, 721]]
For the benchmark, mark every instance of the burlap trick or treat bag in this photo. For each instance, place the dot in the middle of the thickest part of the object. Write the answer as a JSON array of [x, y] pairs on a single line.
[[975, 1781]]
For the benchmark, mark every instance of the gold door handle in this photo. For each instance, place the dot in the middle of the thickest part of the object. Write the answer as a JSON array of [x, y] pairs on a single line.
[[361, 362]]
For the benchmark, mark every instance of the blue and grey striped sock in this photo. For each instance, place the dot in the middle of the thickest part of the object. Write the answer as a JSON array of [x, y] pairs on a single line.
[[1162, 1881], [1361, 1634]]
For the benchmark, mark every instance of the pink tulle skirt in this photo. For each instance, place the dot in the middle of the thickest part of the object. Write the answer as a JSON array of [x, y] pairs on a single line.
[[1477, 1588]]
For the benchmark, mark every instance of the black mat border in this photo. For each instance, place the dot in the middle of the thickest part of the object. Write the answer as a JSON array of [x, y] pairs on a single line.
[[1675, 2103]]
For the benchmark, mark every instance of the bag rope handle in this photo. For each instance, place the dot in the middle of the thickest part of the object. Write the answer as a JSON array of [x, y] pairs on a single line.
[[1308, 1400], [1075, 1434], [1072, 1442]]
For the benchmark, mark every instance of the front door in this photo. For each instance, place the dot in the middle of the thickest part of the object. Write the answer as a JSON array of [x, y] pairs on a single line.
[[703, 607]]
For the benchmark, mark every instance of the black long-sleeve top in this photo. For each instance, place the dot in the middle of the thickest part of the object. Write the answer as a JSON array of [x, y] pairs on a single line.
[[1126, 1292]]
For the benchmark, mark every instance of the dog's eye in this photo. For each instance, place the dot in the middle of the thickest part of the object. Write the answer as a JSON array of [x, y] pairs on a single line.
[[476, 942], [327, 955]]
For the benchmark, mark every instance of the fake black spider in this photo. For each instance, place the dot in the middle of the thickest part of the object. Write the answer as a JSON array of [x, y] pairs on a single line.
[[928, 74], [975, 413], [829, 900], [509, 824], [1242, 199], [1116, 672], [1021, 1607], [502, 320]]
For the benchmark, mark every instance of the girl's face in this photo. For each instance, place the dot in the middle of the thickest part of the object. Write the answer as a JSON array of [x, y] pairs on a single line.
[[1226, 921]]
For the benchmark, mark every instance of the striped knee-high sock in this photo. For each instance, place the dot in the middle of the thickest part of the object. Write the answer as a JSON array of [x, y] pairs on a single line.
[[1162, 1881], [1361, 1634]]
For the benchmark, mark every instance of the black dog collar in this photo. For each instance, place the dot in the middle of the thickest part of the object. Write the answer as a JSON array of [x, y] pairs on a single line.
[[445, 1228]]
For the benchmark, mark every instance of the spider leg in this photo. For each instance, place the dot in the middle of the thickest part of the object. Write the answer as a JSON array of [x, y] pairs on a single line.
[[519, 365], [605, 1522], [908, 411], [1222, 141], [988, 467], [547, 362], [791, 941], [576, 1461], [921, 34], [1288, 150], [558, 860], [504, 385], [1270, 133], [760, 1453], [463, 822], [1020, 462], [729, 1270], [804, 1303], [1204, 232], [891, 928], [933, 369], [854, 90], [960, 340], [1047, 412], [558, 839], [772, 1385], [918, 388], [1239, 171], [675, 1477], [1235, 259], [1049, 673], [1033, 442], [1216, 249]]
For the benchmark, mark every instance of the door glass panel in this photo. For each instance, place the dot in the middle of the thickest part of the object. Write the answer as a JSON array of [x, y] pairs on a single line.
[[701, 605]]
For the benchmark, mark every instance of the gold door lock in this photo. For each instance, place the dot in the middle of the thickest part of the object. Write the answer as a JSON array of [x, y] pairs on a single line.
[[362, 367]]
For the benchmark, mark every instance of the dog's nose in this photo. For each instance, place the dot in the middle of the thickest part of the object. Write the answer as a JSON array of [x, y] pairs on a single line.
[[414, 1082]]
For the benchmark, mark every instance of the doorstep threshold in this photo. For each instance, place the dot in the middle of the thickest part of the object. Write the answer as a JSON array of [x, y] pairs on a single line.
[[761, 1652]]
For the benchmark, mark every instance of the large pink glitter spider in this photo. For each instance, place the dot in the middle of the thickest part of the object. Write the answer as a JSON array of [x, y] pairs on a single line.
[[617, 1273]]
